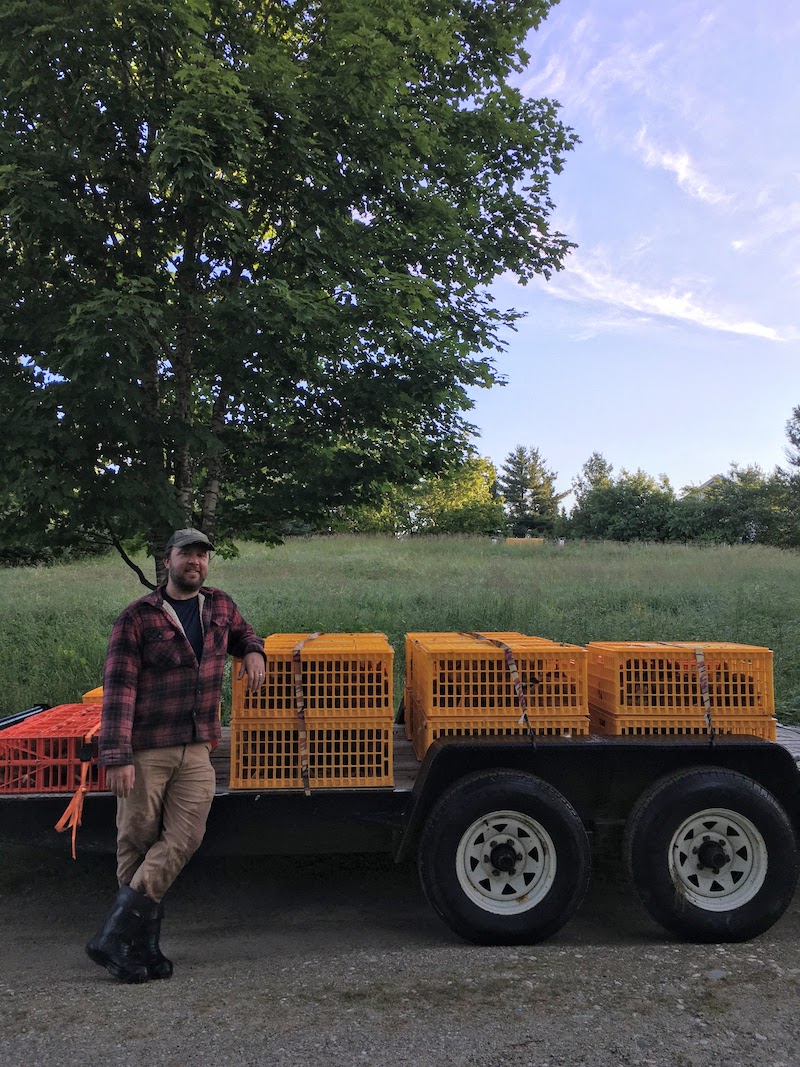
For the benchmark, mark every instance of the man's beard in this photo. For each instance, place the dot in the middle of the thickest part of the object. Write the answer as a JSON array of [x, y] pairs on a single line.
[[186, 585]]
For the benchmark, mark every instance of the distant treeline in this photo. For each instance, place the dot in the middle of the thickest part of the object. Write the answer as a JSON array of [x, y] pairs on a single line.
[[745, 505]]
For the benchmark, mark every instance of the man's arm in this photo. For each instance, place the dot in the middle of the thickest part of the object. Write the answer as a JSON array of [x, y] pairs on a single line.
[[120, 684], [245, 643], [242, 638]]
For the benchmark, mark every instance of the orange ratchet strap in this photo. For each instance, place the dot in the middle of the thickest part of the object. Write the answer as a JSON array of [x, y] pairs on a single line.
[[705, 692], [702, 672], [74, 812], [515, 678], [300, 706]]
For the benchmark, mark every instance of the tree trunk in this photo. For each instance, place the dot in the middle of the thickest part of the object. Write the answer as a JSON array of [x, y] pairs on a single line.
[[185, 341], [211, 487]]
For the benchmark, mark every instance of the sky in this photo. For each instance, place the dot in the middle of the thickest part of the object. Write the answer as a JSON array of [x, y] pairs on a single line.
[[671, 340]]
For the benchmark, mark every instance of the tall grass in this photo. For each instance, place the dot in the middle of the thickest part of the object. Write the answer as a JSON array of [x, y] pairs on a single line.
[[55, 621]]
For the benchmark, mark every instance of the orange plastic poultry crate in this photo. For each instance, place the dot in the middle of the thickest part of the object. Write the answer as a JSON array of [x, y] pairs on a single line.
[[446, 642], [654, 725], [462, 678], [643, 677], [429, 728], [470, 676], [343, 676], [347, 754]]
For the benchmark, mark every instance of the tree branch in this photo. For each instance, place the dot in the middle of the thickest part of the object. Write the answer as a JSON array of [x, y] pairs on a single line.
[[138, 571]]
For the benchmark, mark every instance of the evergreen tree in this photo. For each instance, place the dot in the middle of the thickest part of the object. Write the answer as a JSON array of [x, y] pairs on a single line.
[[528, 489]]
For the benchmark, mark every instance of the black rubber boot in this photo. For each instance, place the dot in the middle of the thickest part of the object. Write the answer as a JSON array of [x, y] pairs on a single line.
[[116, 945], [149, 950]]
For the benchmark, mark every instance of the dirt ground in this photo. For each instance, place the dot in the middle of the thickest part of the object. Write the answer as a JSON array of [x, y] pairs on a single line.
[[339, 961]]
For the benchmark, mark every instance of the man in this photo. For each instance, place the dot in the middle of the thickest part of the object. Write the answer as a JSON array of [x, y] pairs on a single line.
[[161, 692]]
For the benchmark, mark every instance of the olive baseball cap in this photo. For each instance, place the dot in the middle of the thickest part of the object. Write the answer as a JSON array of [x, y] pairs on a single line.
[[182, 538]]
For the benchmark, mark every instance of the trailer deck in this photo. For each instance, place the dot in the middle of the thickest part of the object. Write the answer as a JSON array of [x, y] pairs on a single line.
[[594, 771]]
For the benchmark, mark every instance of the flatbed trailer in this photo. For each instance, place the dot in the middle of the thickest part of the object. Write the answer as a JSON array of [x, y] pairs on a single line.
[[504, 831]]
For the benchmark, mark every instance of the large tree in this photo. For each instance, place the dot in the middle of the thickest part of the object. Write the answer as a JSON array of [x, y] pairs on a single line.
[[744, 506], [528, 489], [247, 247], [628, 507]]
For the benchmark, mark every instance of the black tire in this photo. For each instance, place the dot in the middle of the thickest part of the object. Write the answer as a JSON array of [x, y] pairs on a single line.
[[504, 859], [712, 854]]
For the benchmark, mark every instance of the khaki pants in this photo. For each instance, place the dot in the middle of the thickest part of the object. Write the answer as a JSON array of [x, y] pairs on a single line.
[[160, 825]]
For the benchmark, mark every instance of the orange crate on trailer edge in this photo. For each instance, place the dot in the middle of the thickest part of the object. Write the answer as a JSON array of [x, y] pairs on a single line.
[[640, 676], [429, 728], [343, 675], [652, 725], [42, 754], [472, 677], [345, 754]]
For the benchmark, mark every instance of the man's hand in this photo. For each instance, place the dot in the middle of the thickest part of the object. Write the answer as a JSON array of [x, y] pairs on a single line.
[[120, 779], [253, 665]]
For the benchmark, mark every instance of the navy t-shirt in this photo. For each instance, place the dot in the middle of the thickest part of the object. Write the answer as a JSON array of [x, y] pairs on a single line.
[[188, 611]]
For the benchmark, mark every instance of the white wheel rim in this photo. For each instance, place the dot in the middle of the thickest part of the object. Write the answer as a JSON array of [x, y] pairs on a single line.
[[718, 859], [506, 862]]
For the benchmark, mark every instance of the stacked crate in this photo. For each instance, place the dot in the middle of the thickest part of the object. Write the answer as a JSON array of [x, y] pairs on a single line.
[[413, 706], [654, 688], [43, 753], [460, 684], [345, 689]]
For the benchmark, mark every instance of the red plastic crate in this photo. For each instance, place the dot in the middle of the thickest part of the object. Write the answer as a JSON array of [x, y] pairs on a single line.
[[42, 754]]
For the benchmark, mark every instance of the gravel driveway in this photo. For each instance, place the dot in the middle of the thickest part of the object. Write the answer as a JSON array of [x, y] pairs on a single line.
[[339, 961]]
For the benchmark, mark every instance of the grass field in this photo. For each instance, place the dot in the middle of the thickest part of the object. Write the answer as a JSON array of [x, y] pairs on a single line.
[[55, 621]]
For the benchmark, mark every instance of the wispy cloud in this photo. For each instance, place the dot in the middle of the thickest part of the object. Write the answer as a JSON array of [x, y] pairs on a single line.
[[589, 283], [581, 81], [679, 163], [776, 223]]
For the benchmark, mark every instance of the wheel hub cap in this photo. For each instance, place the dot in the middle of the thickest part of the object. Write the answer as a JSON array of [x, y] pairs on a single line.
[[505, 857], [506, 862], [711, 853], [718, 859]]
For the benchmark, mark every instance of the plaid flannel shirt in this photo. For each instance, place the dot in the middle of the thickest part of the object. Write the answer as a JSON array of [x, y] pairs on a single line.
[[155, 693]]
